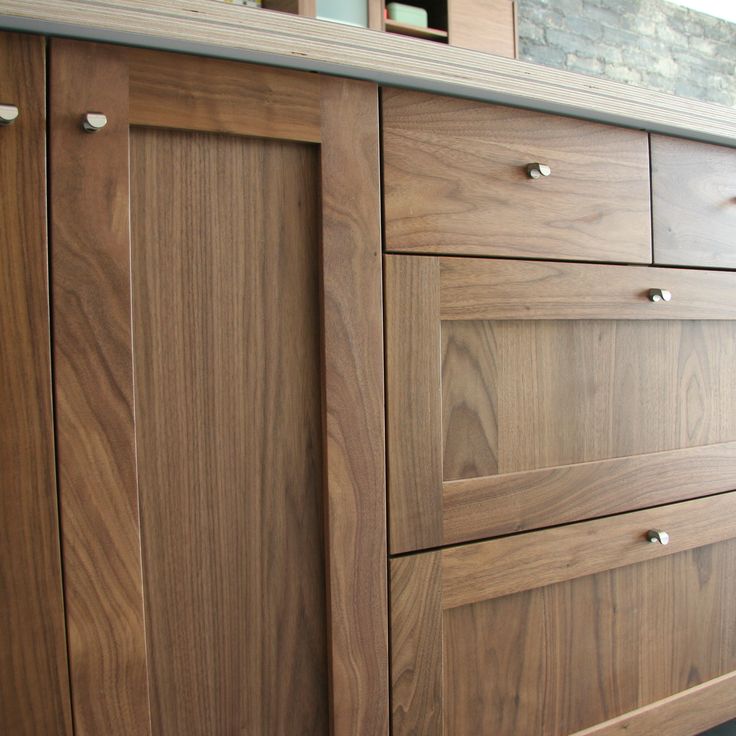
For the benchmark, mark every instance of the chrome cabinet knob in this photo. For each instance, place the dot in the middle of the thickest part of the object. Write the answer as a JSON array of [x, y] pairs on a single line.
[[657, 536], [8, 114], [537, 170], [93, 121], [660, 295]]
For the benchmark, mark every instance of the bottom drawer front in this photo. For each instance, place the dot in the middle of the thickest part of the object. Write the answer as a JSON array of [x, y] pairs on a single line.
[[559, 657]]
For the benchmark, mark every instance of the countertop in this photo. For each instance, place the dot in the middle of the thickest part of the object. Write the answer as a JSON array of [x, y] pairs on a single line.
[[213, 28]]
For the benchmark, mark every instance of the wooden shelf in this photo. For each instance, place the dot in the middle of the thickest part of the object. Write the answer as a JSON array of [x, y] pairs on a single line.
[[405, 29]]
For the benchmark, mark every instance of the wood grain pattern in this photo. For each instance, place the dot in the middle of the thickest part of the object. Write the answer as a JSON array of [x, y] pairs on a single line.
[[484, 25], [455, 182], [525, 394], [413, 403], [683, 714], [591, 627], [501, 567], [488, 506], [544, 420], [197, 93], [249, 34], [416, 645], [94, 392], [693, 203], [228, 399], [34, 690], [553, 660], [503, 290], [354, 409]]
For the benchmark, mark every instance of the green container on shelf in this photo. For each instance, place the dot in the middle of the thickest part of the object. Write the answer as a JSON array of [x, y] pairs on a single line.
[[408, 14], [352, 12]]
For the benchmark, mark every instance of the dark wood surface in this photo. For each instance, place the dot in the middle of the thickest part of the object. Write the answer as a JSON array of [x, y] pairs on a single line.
[[693, 203], [501, 567], [682, 714], [523, 395], [456, 182], [506, 290], [501, 504], [228, 407], [587, 626], [561, 658], [93, 378], [413, 403], [416, 645], [213, 95], [563, 393], [34, 686], [354, 408]]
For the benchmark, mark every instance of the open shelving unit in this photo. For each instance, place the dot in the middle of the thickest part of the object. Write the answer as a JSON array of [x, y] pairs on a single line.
[[483, 25]]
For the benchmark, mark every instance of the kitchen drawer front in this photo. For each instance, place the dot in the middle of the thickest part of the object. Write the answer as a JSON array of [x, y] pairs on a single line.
[[456, 182], [693, 203], [583, 629], [526, 394]]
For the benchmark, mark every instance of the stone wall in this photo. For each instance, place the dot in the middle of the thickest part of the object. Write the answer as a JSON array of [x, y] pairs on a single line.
[[649, 43]]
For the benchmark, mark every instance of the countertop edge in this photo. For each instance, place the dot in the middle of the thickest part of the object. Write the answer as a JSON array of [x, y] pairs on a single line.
[[212, 28]]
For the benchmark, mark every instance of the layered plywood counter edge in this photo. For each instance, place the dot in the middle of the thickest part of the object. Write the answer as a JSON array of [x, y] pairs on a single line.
[[212, 28]]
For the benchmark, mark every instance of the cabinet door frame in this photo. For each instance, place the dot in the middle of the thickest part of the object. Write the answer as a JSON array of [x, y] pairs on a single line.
[[34, 695], [422, 291], [96, 433], [426, 584]]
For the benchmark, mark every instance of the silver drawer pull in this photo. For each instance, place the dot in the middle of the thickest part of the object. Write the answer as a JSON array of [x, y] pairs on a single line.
[[93, 121], [537, 170], [8, 114], [660, 295], [657, 536]]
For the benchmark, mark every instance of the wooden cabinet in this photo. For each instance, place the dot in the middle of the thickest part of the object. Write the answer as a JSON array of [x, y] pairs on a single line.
[[219, 307], [34, 686], [202, 431], [526, 394], [693, 203], [583, 629], [457, 181]]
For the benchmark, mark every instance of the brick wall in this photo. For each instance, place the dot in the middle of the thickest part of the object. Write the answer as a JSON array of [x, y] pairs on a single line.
[[649, 43]]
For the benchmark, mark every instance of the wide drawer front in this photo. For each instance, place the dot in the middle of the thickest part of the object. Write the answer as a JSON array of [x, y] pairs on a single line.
[[693, 203], [572, 628], [466, 177], [525, 394]]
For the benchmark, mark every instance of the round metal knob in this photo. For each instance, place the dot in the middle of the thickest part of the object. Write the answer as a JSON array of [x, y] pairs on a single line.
[[93, 121], [657, 536], [659, 295], [8, 114], [537, 170]]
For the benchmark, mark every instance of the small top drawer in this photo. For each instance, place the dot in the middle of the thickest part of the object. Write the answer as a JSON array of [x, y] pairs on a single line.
[[457, 181], [693, 203]]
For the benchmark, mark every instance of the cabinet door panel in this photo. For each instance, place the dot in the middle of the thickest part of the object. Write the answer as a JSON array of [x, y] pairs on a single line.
[[457, 182], [218, 325], [34, 687], [563, 392], [693, 206], [226, 336], [575, 629]]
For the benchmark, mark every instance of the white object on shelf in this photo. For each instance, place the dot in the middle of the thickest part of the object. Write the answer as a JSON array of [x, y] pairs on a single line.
[[350, 12]]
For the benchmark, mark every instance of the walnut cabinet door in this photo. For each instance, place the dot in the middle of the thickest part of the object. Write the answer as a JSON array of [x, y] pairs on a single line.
[[34, 685], [527, 394], [217, 327], [588, 629]]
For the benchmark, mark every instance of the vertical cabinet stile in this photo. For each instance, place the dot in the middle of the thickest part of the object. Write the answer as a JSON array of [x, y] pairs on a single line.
[[34, 687]]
